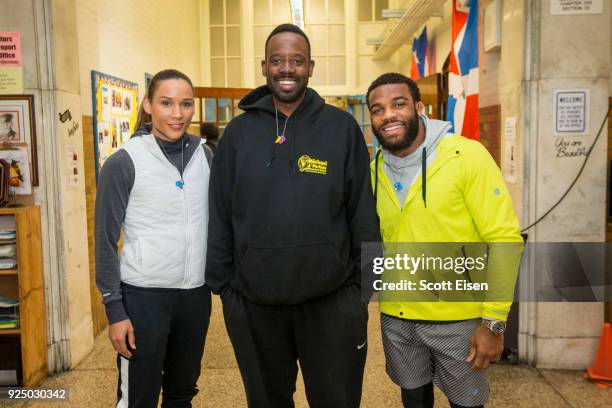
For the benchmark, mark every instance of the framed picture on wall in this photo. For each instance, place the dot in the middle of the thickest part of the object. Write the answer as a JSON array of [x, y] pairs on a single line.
[[19, 170], [17, 127]]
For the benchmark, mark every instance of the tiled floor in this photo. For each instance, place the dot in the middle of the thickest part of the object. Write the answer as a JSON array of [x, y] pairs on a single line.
[[92, 383]]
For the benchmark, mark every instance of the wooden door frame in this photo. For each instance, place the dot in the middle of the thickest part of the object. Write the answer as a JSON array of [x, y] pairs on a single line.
[[202, 93]]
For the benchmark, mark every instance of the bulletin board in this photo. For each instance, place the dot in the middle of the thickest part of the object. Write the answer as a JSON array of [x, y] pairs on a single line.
[[115, 108]]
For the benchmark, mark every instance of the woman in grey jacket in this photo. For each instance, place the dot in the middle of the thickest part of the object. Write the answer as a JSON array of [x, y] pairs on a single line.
[[158, 307]]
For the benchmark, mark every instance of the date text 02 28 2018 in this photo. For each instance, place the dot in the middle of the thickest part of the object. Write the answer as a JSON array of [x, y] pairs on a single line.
[[32, 394]]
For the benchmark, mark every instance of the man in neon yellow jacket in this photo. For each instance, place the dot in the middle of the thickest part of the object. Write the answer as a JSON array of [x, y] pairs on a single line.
[[432, 186]]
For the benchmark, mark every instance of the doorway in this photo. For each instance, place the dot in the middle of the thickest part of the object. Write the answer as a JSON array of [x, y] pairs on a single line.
[[216, 105]]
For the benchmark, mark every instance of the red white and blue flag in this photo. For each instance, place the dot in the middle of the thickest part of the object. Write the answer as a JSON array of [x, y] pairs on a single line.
[[420, 66], [463, 70]]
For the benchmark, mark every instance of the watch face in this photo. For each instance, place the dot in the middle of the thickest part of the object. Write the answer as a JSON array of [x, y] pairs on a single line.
[[498, 327]]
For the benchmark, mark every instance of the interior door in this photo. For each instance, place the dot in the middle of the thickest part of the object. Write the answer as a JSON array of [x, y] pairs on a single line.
[[432, 95]]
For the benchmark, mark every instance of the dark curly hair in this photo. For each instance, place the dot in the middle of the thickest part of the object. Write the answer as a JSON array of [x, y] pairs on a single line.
[[395, 78], [288, 28]]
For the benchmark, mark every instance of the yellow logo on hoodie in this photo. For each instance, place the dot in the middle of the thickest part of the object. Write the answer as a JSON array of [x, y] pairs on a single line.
[[307, 164]]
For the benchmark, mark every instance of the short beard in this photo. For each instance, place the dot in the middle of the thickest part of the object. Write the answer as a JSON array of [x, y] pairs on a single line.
[[287, 98], [411, 132]]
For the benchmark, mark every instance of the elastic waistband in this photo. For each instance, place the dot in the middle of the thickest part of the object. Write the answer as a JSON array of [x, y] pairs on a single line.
[[427, 321], [162, 290]]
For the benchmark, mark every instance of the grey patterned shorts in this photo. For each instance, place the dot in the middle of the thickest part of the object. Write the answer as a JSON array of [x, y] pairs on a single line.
[[419, 353]]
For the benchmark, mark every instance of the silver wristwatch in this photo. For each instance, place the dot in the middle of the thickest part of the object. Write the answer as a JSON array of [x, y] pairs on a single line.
[[498, 327]]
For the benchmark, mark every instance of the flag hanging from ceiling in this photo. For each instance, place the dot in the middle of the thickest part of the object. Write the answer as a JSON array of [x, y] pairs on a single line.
[[462, 109], [419, 68]]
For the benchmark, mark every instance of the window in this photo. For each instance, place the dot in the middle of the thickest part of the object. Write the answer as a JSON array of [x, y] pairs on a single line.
[[217, 105], [359, 109], [371, 10], [226, 61], [267, 15], [325, 26]]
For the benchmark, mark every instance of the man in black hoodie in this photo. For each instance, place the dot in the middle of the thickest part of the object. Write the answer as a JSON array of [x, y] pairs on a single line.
[[290, 204]]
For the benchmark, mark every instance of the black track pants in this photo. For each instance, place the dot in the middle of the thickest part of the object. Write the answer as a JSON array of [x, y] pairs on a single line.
[[170, 328], [327, 335]]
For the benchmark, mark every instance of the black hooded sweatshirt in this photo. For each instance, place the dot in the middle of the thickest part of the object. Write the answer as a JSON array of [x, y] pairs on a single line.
[[287, 220]]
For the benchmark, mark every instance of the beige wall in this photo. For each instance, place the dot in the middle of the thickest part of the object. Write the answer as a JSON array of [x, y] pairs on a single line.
[[588, 49], [128, 38], [368, 69], [439, 28], [71, 209], [558, 57]]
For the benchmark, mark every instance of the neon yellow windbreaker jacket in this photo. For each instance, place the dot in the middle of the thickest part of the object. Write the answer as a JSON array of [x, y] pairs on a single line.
[[467, 201]]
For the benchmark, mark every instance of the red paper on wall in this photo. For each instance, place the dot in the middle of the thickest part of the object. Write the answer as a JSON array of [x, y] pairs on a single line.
[[10, 48]]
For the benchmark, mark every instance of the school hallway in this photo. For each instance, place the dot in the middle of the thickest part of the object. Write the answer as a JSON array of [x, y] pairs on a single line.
[[93, 382]]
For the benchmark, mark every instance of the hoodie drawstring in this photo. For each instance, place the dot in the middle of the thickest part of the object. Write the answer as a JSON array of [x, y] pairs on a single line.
[[376, 176], [272, 155], [277, 137], [424, 176], [292, 161]]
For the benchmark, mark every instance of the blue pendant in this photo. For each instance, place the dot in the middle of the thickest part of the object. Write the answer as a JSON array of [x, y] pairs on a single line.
[[398, 186], [180, 184]]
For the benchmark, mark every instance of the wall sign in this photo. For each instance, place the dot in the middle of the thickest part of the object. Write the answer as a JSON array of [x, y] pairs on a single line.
[[569, 148], [571, 110], [510, 150], [72, 166], [11, 69], [573, 7], [10, 49]]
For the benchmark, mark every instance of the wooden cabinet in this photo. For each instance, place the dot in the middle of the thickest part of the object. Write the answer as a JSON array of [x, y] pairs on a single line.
[[25, 283]]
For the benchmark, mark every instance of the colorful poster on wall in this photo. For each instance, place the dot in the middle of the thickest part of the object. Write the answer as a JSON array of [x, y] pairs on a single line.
[[115, 108], [11, 69]]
